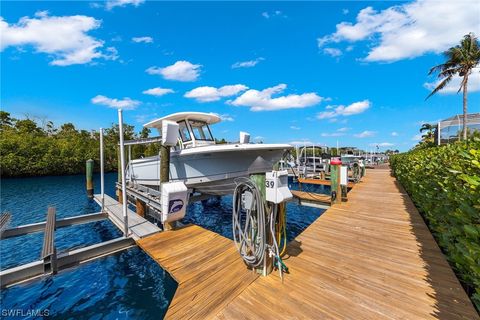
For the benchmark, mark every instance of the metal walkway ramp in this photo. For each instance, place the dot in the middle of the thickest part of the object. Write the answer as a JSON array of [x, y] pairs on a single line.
[[138, 226]]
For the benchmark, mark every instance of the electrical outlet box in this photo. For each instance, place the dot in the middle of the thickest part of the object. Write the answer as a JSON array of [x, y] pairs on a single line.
[[174, 201], [343, 175], [276, 186], [247, 201]]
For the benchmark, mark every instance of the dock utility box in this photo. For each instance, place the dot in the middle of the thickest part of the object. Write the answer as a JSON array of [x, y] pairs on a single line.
[[276, 186], [174, 201]]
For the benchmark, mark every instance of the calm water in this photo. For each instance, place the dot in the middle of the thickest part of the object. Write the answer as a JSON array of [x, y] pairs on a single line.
[[126, 285]]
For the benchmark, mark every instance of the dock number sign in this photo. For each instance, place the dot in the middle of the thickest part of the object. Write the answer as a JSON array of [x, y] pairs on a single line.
[[270, 184]]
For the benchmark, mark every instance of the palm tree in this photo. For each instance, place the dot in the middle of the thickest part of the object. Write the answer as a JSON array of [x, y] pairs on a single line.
[[461, 60], [428, 137]]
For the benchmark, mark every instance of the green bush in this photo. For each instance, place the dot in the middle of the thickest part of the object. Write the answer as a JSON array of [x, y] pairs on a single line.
[[444, 183], [29, 150]]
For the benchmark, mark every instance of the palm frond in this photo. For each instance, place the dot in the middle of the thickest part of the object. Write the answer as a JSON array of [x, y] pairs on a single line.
[[440, 86]]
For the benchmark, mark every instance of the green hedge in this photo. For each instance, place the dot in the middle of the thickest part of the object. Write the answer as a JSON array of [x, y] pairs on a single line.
[[444, 183]]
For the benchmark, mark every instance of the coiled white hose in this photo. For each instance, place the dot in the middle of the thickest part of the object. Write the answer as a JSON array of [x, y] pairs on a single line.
[[249, 224]]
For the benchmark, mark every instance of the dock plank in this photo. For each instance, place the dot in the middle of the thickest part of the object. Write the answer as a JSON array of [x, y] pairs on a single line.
[[207, 267], [372, 257]]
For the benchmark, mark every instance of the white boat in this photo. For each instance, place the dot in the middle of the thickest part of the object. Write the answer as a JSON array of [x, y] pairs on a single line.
[[203, 165]]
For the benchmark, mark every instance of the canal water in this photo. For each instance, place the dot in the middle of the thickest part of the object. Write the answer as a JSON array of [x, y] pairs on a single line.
[[125, 285]]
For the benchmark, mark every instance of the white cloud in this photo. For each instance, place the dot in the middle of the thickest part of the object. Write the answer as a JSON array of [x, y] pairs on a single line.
[[247, 64], [300, 143], [142, 39], [295, 128], [365, 134], [454, 84], [208, 94], [142, 118], [381, 144], [64, 38], [94, 5], [226, 117], [125, 103], [408, 30], [276, 13], [333, 134], [333, 52], [354, 108], [263, 100], [394, 134], [345, 11], [122, 3], [340, 132], [158, 91], [180, 71]]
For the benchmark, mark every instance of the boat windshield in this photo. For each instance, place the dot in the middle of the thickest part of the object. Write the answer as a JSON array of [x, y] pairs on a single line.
[[184, 133], [200, 130]]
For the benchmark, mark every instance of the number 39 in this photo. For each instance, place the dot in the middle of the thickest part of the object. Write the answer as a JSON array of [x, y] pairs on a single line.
[[269, 184]]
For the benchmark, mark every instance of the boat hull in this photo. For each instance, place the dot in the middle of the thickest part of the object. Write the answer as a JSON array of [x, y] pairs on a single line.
[[210, 170]]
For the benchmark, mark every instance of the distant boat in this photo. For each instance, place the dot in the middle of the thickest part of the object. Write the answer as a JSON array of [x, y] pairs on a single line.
[[199, 162]]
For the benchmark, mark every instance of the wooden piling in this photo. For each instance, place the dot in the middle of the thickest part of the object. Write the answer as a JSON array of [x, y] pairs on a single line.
[[164, 163], [336, 189], [89, 176], [259, 181], [141, 207]]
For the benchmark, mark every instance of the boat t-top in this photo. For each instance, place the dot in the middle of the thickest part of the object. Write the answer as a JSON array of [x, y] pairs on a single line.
[[202, 164]]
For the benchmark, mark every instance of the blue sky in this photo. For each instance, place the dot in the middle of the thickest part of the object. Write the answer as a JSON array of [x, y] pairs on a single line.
[[355, 72]]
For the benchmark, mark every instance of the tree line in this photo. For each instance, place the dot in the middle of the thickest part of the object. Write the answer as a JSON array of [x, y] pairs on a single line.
[[30, 149]]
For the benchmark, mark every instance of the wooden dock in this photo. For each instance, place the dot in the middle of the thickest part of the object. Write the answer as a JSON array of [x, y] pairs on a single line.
[[207, 267], [138, 226], [370, 258]]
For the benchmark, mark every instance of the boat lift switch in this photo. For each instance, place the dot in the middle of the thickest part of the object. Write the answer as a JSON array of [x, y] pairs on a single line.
[[276, 186], [170, 133], [174, 201]]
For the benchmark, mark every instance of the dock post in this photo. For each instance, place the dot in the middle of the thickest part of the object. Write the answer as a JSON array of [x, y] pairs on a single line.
[[164, 163], [122, 169], [118, 192], [335, 189], [102, 171], [259, 181], [141, 207], [89, 176]]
